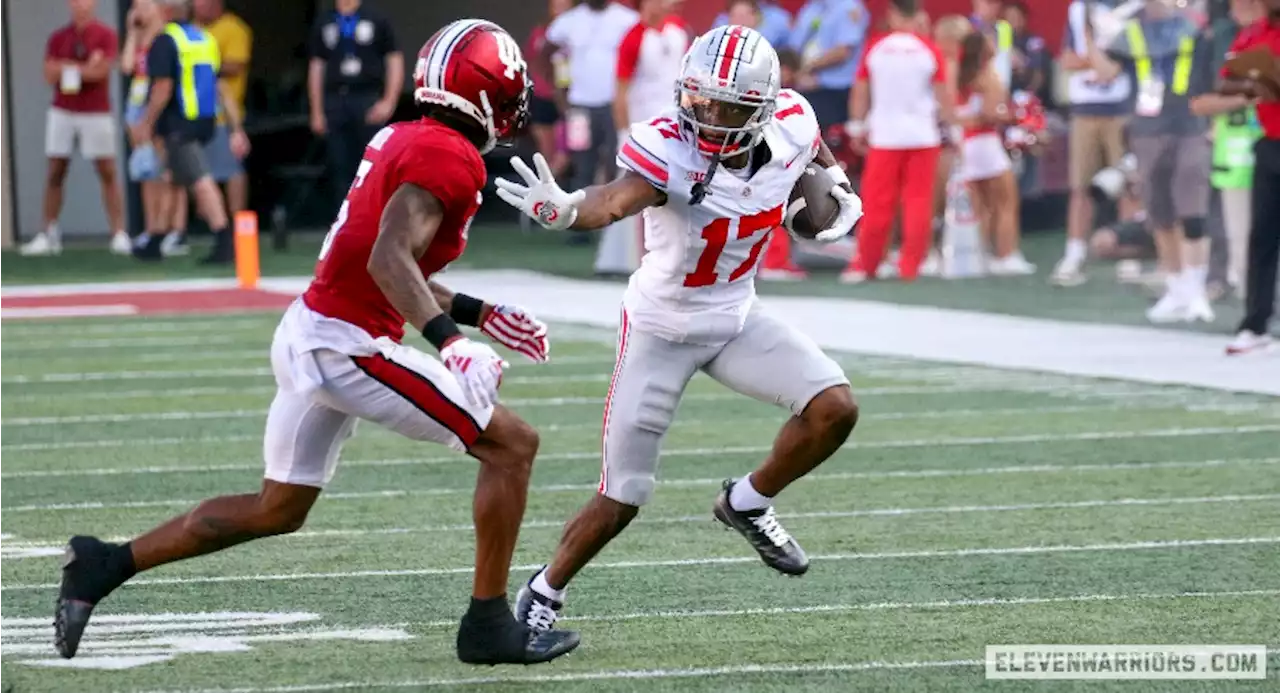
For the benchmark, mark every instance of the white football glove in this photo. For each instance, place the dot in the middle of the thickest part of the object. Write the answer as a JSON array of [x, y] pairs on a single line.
[[850, 213], [540, 197], [517, 329], [477, 368]]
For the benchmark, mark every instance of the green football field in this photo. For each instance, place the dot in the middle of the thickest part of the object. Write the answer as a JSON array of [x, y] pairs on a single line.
[[972, 507]]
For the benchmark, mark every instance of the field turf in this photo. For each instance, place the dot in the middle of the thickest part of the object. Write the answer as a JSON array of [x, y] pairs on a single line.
[[972, 507]]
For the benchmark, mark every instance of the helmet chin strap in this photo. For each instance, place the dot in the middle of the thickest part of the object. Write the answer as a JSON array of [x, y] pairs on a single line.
[[699, 191]]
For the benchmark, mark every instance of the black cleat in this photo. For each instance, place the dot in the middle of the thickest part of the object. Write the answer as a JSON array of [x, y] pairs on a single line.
[[761, 528], [489, 636], [85, 581]]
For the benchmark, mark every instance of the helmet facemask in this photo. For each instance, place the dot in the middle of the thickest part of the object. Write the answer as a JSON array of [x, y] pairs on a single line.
[[719, 122]]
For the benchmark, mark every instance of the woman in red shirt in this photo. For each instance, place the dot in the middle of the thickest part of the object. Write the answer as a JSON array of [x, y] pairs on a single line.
[[984, 164]]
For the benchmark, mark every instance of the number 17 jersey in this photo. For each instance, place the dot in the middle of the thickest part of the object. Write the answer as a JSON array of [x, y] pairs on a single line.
[[696, 282]]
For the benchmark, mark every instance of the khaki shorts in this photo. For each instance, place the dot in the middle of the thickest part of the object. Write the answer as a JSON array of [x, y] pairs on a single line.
[[1096, 143], [95, 133], [1173, 176]]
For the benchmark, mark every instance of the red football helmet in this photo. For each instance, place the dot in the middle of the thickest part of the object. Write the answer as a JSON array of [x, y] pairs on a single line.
[[475, 67]]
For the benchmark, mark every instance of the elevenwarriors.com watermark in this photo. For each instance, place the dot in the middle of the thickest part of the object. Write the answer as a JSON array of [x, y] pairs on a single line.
[[1126, 662]]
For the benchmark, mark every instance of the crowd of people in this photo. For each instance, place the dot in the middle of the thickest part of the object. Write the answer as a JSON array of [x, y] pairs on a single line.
[[937, 113]]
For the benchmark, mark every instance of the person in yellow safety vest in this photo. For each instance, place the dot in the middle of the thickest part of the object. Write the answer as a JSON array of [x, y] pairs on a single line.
[[986, 18], [1235, 132], [182, 109], [1171, 64]]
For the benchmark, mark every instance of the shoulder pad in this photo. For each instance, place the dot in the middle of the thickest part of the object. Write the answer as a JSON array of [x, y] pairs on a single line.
[[645, 150], [795, 119]]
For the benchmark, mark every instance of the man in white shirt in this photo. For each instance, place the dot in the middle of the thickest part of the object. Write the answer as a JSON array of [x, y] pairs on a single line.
[[900, 94], [589, 35], [648, 66]]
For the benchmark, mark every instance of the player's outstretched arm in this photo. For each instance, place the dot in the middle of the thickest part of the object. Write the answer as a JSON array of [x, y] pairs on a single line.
[[541, 198], [621, 198], [409, 222]]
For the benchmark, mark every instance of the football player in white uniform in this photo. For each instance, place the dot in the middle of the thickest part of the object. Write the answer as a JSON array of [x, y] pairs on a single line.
[[712, 177]]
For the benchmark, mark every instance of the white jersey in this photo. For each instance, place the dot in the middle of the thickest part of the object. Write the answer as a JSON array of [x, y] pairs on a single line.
[[696, 282]]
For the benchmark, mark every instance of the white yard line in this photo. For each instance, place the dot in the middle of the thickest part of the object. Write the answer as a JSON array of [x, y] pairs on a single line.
[[86, 311], [19, 346], [886, 606], [725, 560], [754, 449], [152, 325], [44, 549], [100, 376], [606, 675], [680, 423]]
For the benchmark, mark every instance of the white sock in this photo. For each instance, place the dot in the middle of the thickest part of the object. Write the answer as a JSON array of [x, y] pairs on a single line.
[[541, 586], [52, 231], [1076, 249], [1193, 280], [744, 496]]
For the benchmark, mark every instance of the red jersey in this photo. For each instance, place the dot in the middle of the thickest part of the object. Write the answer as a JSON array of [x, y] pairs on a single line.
[[70, 44], [1265, 32], [424, 153]]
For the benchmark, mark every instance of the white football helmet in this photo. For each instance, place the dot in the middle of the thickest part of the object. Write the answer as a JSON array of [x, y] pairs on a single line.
[[727, 91]]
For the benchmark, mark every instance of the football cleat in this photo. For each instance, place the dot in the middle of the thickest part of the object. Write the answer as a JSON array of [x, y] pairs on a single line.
[[765, 534], [500, 639], [538, 613], [84, 584]]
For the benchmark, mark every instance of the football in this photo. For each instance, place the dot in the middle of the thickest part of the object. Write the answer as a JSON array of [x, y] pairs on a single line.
[[811, 207]]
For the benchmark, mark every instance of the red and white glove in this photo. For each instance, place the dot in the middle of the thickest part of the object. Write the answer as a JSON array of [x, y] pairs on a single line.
[[477, 368], [517, 329]]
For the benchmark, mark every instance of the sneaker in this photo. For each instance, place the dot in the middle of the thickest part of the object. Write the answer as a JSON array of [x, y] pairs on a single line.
[[1129, 272], [1248, 342], [121, 244], [853, 277], [782, 274], [146, 247], [223, 253], [174, 245], [1199, 309], [42, 245], [1172, 307], [1011, 265], [538, 613], [932, 266], [762, 530], [1068, 272]]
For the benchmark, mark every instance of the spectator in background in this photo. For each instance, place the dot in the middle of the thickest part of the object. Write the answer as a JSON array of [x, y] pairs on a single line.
[[1100, 93], [828, 35], [1030, 64], [182, 108], [77, 64], [589, 36], [143, 23], [544, 113], [648, 67], [987, 19], [984, 164], [901, 101], [235, 45], [948, 35], [354, 81], [772, 21], [1235, 132], [1170, 65]]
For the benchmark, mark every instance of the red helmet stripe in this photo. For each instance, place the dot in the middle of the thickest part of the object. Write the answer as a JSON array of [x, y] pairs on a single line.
[[732, 44]]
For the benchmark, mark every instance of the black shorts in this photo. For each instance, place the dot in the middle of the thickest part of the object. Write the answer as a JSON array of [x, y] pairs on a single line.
[[1134, 235], [543, 111]]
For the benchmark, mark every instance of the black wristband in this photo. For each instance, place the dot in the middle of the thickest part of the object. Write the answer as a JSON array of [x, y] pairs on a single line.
[[440, 329], [466, 310]]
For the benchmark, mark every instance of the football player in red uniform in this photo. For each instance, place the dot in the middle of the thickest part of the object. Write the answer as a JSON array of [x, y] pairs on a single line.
[[337, 355]]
